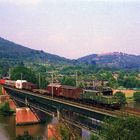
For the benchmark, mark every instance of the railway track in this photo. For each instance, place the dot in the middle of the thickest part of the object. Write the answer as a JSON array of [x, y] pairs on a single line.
[[116, 113], [122, 112], [132, 111]]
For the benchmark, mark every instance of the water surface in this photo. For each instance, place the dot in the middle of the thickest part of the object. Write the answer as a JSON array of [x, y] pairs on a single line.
[[9, 131]]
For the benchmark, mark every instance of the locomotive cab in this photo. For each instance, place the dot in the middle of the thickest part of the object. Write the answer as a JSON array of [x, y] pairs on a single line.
[[107, 91]]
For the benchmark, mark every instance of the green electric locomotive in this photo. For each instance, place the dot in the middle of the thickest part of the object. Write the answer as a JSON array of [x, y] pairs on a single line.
[[100, 98]]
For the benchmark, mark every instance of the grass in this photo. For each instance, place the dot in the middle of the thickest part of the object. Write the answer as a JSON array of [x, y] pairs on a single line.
[[0, 90], [5, 109], [129, 99]]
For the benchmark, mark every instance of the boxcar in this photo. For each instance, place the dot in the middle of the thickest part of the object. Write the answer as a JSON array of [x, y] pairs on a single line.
[[56, 89], [19, 83], [29, 86], [70, 92], [10, 83]]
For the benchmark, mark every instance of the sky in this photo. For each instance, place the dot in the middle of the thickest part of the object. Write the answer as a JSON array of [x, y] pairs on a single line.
[[72, 28]]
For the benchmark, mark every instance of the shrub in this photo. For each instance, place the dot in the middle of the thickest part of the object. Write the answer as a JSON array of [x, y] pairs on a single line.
[[121, 97], [136, 96]]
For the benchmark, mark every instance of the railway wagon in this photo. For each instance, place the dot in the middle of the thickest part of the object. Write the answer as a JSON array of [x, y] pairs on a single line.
[[56, 89], [41, 91], [19, 83], [11, 83], [2, 81], [29, 86], [70, 92]]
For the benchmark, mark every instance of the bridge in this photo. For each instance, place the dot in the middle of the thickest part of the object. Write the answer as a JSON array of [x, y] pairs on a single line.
[[49, 105]]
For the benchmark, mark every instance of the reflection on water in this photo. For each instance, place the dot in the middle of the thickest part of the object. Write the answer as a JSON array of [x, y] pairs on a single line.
[[8, 129], [34, 130]]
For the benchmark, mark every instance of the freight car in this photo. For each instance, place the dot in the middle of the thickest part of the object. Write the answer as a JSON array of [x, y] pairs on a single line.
[[2, 81], [10, 83], [19, 84], [56, 88], [71, 92], [29, 86]]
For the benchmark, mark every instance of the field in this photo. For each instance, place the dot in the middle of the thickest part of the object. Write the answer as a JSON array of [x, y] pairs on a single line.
[[128, 93]]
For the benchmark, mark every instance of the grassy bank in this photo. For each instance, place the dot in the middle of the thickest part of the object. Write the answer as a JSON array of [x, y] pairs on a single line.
[[0, 90], [5, 109]]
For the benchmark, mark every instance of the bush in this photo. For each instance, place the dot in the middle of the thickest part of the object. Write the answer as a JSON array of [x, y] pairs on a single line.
[[0, 90], [27, 136], [5, 107], [125, 128], [136, 96], [94, 137], [121, 96], [64, 133]]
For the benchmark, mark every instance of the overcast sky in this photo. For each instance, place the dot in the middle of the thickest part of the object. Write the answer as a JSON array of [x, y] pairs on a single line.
[[72, 28]]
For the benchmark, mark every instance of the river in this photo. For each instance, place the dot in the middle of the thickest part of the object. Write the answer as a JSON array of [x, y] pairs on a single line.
[[9, 131]]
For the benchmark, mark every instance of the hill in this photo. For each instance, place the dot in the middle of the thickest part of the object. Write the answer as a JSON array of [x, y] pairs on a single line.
[[116, 59], [10, 51]]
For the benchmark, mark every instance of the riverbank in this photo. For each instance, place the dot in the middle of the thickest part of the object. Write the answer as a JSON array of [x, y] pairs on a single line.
[[5, 109]]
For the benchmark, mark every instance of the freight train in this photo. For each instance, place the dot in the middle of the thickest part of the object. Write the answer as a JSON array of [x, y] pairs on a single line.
[[86, 96]]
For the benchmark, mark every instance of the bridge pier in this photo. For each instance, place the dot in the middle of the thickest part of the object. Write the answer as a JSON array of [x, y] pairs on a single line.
[[3, 91], [58, 114], [25, 116]]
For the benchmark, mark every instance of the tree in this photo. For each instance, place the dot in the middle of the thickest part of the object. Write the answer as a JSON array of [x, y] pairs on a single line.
[[104, 75], [128, 80], [125, 128], [27, 74], [5, 107], [121, 96], [27, 136], [136, 96], [0, 90], [113, 83], [43, 82], [68, 81], [64, 133], [93, 137]]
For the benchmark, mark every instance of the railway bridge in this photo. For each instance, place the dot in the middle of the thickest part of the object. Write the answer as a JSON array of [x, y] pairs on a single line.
[[49, 105]]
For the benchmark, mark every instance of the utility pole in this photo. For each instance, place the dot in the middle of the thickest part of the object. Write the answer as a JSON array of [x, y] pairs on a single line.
[[39, 80], [76, 78], [52, 76], [21, 77], [52, 82]]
